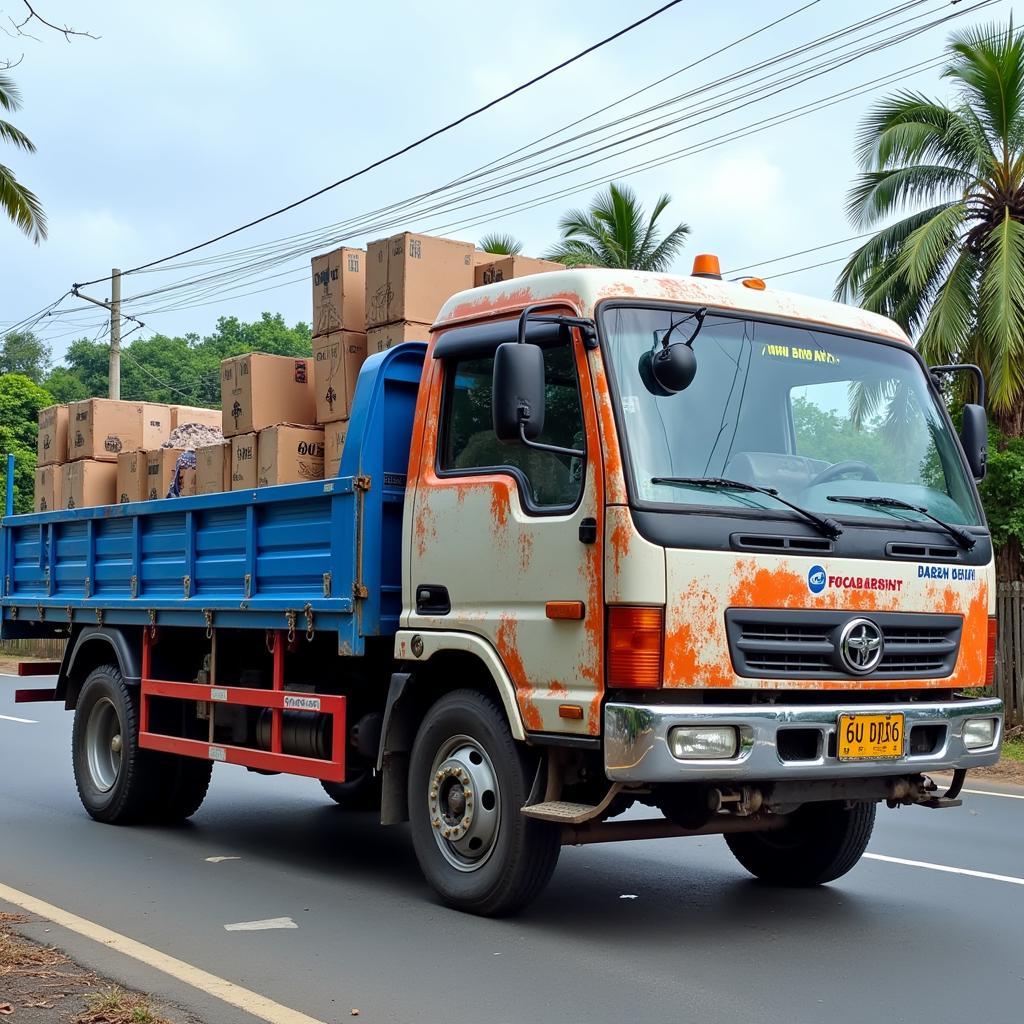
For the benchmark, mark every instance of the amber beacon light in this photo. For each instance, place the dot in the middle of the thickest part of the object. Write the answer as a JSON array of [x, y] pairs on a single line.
[[635, 640], [706, 265]]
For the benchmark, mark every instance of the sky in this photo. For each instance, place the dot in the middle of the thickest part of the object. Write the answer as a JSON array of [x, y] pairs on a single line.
[[184, 119]]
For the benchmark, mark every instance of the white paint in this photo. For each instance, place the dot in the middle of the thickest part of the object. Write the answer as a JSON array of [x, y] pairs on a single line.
[[992, 792], [261, 926], [202, 981], [1010, 879], [627, 896], [218, 860], [23, 721]]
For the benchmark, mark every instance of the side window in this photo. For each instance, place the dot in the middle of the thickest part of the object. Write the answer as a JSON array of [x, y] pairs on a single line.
[[469, 443]]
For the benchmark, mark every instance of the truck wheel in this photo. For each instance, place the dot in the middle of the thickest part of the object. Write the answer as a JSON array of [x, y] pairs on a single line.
[[116, 780], [468, 780], [189, 780], [822, 842], [361, 793]]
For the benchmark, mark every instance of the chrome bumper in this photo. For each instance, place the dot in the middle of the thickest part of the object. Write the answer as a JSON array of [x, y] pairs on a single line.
[[636, 747]]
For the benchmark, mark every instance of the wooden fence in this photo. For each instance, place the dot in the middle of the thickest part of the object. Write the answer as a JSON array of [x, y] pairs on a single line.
[[1010, 652], [50, 649]]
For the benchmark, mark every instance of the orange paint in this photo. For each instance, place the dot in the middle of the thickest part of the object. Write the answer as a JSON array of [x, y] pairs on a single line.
[[508, 647], [620, 536]]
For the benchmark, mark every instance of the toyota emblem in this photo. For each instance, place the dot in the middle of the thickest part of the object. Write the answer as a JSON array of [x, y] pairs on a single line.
[[861, 645]]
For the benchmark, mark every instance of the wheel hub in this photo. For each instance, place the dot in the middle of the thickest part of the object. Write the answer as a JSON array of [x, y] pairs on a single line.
[[464, 803], [103, 744]]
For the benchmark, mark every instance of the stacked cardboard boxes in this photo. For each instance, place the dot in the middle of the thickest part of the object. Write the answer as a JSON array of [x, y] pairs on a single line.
[[409, 278], [506, 268]]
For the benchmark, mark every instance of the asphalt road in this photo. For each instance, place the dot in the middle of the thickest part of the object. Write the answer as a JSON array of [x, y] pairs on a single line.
[[671, 930]]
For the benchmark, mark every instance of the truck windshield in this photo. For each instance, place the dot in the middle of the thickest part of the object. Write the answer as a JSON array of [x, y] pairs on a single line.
[[805, 412]]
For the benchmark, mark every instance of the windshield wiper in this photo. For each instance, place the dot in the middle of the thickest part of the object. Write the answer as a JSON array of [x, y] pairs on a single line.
[[829, 527], [962, 537]]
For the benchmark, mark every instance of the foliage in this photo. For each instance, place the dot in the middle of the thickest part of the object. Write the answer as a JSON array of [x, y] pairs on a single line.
[[500, 244], [1003, 487], [20, 205], [22, 352], [951, 271], [20, 402], [613, 233], [185, 369]]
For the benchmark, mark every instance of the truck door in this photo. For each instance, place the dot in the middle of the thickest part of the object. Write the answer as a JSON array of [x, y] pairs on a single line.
[[504, 542]]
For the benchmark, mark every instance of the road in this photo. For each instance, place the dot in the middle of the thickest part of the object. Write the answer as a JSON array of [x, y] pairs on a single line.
[[659, 931]]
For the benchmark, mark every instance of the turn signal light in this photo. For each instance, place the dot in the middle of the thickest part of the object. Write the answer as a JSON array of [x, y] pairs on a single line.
[[635, 640], [757, 283], [706, 265], [990, 651]]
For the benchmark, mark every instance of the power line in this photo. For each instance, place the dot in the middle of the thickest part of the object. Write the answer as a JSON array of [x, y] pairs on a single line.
[[411, 146]]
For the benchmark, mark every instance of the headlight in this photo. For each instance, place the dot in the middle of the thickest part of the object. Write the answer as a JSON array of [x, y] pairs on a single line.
[[980, 733], [703, 741]]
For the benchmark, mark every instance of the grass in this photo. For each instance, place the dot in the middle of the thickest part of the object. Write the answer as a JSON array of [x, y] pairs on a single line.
[[116, 1006], [1013, 744]]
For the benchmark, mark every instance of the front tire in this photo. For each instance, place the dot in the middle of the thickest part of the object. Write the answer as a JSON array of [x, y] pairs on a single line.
[[468, 780], [821, 843]]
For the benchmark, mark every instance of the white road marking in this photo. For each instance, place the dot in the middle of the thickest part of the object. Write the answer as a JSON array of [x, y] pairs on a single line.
[[218, 860], [993, 792], [23, 721], [227, 991], [1011, 879], [261, 926]]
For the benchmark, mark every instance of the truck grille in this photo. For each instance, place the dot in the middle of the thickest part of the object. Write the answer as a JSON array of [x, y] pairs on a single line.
[[778, 643]]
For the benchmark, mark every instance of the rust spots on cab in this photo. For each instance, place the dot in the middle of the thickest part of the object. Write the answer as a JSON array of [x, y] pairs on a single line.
[[507, 642]]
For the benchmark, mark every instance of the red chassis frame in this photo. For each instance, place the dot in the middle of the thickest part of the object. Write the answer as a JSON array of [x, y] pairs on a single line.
[[277, 700]]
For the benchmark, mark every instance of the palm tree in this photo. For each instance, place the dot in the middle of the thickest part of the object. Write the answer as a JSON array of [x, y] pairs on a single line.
[[17, 202], [613, 233], [951, 271], [500, 244]]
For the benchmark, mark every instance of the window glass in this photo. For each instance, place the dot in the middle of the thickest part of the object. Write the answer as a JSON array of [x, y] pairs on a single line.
[[470, 443]]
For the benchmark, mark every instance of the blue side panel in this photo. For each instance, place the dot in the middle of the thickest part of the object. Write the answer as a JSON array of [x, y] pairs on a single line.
[[253, 559]]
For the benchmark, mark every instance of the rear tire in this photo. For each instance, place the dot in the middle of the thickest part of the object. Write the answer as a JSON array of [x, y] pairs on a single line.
[[821, 843], [469, 778], [118, 782], [361, 793]]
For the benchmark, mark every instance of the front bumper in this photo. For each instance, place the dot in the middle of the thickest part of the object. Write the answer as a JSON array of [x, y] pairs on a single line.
[[636, 747]]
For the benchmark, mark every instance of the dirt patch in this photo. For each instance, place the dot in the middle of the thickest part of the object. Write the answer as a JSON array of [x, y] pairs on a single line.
[[40, 985]]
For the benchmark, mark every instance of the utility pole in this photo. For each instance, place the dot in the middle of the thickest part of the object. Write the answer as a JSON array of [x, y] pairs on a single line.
[[114, 370], [114, 306]]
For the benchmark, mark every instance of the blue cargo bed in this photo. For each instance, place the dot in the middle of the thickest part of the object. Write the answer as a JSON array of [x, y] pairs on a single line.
[[323, 555]]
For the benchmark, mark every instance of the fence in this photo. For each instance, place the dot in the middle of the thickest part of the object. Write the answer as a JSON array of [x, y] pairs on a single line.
[[50, 649], [1010, 652]]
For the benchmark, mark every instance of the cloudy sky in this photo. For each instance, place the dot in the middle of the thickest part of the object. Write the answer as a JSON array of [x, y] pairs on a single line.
[[185, 119]]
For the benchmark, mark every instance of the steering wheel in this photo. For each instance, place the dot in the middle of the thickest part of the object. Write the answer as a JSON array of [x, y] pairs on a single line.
[[838, 469]]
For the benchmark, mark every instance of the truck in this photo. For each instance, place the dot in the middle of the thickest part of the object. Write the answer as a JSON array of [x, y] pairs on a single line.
[[610, 555]]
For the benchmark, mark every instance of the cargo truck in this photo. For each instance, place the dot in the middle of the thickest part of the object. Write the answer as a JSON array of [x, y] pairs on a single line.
[[604, 540]]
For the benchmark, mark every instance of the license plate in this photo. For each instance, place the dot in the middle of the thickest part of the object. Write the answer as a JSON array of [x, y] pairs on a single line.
[[870, 737]]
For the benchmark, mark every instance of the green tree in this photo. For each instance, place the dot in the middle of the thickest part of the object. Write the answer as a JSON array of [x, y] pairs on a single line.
[[951, 271], [22, 352], [20, 205], [20, 402], [500, 244], [614, 232]]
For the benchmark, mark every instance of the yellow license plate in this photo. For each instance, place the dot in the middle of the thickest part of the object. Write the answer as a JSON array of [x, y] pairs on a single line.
[[870, 737]]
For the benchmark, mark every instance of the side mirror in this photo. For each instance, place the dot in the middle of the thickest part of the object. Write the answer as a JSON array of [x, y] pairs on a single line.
[[517, 394], [667, 371], [974, 438]]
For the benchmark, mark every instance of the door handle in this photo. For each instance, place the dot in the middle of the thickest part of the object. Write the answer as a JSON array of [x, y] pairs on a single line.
[[432, 599]]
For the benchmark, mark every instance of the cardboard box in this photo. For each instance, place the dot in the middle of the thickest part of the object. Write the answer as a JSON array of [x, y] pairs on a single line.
[[131, 476], [194, 414], [410, 277], [48, 488], [339, 291], [100, 428], [505, 268], [336, 362], [290, 454], [213, 468], [258, 390], [334, 443], [380, 338], [87, 483], [244, 452], [52, 443], [160, 466]]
